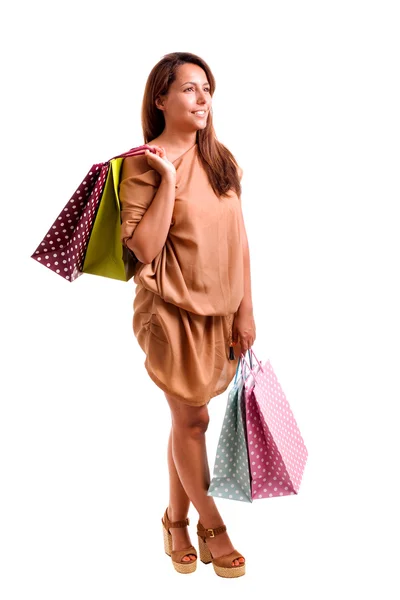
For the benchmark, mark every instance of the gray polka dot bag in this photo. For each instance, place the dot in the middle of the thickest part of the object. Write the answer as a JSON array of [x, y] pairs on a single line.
[[85, 236], [231, 474]]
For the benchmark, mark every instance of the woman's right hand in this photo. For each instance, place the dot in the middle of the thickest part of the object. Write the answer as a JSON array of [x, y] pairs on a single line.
[[160, 162]]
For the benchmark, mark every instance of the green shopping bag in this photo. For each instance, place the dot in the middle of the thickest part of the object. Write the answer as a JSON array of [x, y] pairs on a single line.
[[105, 254], [231, 474]]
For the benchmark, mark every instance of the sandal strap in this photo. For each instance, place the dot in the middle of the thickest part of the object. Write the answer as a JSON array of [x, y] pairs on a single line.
[[172, 524], [209, 532], [184, 523], [177, 555], [226, 561]]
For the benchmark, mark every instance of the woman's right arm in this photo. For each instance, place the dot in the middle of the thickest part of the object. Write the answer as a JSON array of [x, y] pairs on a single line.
[[151, 232], [147, 200]]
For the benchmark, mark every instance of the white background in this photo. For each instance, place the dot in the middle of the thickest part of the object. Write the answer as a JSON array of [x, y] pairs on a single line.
[[308, 100]]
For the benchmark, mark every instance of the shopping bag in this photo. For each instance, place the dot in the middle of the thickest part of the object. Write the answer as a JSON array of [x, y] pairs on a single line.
[[64, 247], [231, 475], [105, 255], [277, 453]]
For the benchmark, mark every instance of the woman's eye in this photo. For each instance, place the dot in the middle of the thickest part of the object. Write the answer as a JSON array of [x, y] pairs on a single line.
[[191, 88]]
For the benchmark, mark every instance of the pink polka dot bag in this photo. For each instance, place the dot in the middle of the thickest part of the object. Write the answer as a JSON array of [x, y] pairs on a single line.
[[276, 449], [85, 236]]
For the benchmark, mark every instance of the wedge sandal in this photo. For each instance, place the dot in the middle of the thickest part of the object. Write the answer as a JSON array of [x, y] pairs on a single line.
[[223, 564], [177, 555]]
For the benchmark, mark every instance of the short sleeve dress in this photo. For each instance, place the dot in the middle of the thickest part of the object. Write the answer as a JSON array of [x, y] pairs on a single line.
[[186, 298]]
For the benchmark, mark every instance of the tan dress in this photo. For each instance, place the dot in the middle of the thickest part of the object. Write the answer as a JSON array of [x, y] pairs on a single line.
[[187, 296]]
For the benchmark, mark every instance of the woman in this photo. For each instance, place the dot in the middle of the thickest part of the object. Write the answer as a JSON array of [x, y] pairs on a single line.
[[193, 316]]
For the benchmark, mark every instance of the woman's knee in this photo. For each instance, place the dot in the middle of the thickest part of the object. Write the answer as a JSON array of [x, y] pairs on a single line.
[[193, 420]]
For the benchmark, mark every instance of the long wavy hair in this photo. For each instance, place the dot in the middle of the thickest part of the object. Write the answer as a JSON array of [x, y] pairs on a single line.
[[219, 163]]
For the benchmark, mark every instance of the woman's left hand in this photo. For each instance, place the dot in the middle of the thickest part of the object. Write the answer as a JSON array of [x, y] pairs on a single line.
[[244, 329]]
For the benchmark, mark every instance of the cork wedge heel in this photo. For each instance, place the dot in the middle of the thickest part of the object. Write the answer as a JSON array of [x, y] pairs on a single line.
[[223, 564], [177, 555]]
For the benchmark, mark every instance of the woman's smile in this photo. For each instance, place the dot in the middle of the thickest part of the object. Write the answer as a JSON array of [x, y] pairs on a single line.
[[200, 113]]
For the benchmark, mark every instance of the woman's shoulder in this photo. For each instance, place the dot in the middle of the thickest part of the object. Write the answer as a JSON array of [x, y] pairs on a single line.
[[135, 165], [136, 169]]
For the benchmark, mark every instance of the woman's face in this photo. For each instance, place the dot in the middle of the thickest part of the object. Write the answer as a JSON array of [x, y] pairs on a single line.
[[189, 93]]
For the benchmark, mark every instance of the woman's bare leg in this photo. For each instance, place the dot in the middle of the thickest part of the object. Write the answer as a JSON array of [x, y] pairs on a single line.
[[189, 425], [178, 507]]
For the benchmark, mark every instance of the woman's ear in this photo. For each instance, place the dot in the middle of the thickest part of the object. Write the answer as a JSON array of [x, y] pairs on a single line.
[[160, 103]]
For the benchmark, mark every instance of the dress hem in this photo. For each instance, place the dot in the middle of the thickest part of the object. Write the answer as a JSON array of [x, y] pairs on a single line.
[[159, 384]]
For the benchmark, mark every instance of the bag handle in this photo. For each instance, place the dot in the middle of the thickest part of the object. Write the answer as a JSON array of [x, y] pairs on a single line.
[[243, 360], [239, 364], [135, 151]]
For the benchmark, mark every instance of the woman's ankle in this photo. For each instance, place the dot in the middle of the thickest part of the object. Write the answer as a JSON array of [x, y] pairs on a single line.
[[174, 515], [211, 520]]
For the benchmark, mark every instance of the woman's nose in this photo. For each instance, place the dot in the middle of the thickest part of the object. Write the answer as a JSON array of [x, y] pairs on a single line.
[[201, 98]]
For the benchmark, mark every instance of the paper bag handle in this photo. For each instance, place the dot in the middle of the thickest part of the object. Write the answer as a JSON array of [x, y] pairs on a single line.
[[136, 151], [243, 360], [239, 364]]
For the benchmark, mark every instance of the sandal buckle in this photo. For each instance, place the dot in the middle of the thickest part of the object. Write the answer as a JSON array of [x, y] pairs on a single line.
[[212, 534]]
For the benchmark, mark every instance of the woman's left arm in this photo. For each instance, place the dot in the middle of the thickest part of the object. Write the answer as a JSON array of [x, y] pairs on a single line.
[[244, 328], [247, 301]]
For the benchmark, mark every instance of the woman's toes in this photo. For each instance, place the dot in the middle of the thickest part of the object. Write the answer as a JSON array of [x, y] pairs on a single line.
[[189, 558], [241, 560]]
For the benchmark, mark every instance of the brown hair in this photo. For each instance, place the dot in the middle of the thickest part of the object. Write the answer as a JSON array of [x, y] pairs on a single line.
[[219, 163]]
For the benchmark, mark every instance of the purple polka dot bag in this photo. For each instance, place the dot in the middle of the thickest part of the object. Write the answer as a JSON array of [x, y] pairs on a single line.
[[64, 247]]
